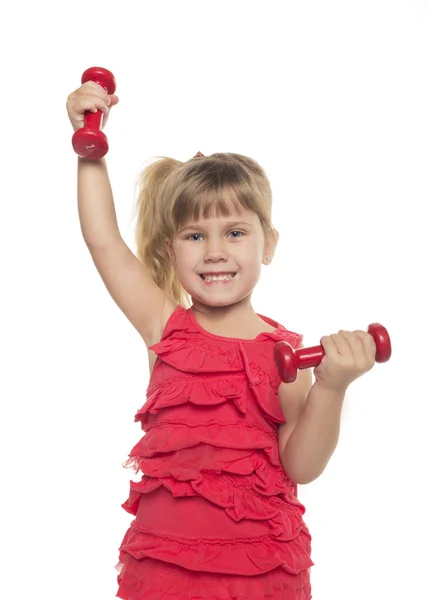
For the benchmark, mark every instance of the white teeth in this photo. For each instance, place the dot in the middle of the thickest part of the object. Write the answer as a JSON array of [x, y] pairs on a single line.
[[218, 277]]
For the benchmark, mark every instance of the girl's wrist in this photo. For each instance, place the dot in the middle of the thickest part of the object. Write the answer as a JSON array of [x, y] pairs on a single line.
[[334, 390]]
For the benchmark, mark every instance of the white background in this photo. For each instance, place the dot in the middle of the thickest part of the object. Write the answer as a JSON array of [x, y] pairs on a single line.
[[330, 98]]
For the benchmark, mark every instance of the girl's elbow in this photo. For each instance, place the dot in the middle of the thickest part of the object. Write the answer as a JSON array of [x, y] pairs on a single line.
[[301, 476]]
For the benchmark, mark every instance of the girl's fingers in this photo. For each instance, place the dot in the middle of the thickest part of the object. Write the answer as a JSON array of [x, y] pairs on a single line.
[[368, 343], [328, 344], [91, 103], [342, 343]]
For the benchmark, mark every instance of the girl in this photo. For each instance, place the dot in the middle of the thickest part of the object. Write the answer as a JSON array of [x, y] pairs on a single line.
[[226, 443]]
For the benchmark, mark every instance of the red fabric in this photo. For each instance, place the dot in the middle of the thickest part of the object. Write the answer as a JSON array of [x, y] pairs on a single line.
[[216, 517]]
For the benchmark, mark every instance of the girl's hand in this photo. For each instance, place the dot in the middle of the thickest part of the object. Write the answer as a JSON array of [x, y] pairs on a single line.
[[89, 97], [348, 355]]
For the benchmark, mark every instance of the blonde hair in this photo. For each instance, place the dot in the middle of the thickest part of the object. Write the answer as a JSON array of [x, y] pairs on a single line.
[[171, 193]]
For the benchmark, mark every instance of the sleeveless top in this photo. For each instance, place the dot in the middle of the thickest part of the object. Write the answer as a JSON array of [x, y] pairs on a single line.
[[214, 496]]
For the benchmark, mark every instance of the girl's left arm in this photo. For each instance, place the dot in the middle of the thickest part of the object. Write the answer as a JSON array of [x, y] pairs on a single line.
[[313, 412], [310, 435]]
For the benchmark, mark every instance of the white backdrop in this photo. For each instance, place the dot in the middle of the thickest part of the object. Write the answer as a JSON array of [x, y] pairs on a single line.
[[330, 97]]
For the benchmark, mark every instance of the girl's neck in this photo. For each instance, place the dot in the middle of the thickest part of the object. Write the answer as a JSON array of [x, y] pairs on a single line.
[[235, 320], [220, 314]]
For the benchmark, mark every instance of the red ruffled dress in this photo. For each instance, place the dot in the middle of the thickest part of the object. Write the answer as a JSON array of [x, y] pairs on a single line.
[[216, 517]]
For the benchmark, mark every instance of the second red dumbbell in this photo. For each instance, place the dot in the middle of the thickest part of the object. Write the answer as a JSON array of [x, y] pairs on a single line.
[[89, 141], [288, 360]]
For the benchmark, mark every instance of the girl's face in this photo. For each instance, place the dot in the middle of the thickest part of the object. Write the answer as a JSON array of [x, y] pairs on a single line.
[[218, 259]]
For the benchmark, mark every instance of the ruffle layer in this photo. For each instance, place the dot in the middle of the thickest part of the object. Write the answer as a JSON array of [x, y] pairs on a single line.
[[253, 556], [199, 391], [150, 579], [195, 355], [173, 438], [247, 471]]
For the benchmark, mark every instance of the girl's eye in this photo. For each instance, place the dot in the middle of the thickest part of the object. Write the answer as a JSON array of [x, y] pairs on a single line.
[[197, 237]]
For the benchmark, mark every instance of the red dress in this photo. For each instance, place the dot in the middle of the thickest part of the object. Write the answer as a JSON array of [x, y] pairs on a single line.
[[216, 517]]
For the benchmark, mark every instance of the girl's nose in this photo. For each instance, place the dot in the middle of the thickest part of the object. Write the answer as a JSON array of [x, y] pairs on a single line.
[[215, 251]]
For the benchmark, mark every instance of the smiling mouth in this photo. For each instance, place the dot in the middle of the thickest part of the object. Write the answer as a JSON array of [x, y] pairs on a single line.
[[217, 276]]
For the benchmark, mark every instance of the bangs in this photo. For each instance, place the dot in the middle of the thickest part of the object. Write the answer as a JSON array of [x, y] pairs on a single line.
[[212, 188], [210, 203]]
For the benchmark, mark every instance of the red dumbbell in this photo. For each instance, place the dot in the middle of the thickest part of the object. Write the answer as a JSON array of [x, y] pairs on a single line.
[[288, 360], [89, 141]]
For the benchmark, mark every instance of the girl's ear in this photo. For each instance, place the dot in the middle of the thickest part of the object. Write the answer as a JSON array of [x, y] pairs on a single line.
[[270, 246], [171, 253]]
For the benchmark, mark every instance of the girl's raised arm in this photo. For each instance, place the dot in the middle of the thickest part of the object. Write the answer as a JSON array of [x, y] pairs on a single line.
[[145, 305]]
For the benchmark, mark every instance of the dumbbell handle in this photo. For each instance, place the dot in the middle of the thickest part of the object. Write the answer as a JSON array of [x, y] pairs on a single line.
[[94, 120], [308, 358], [288, 360]]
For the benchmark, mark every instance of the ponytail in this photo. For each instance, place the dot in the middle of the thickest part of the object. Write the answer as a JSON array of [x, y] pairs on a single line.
[[150, 232]]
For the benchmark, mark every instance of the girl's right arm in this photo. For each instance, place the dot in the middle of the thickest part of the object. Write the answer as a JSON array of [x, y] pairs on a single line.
[[145, 305]]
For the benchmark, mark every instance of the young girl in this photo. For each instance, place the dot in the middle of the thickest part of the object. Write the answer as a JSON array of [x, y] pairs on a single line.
[[226, 443]]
